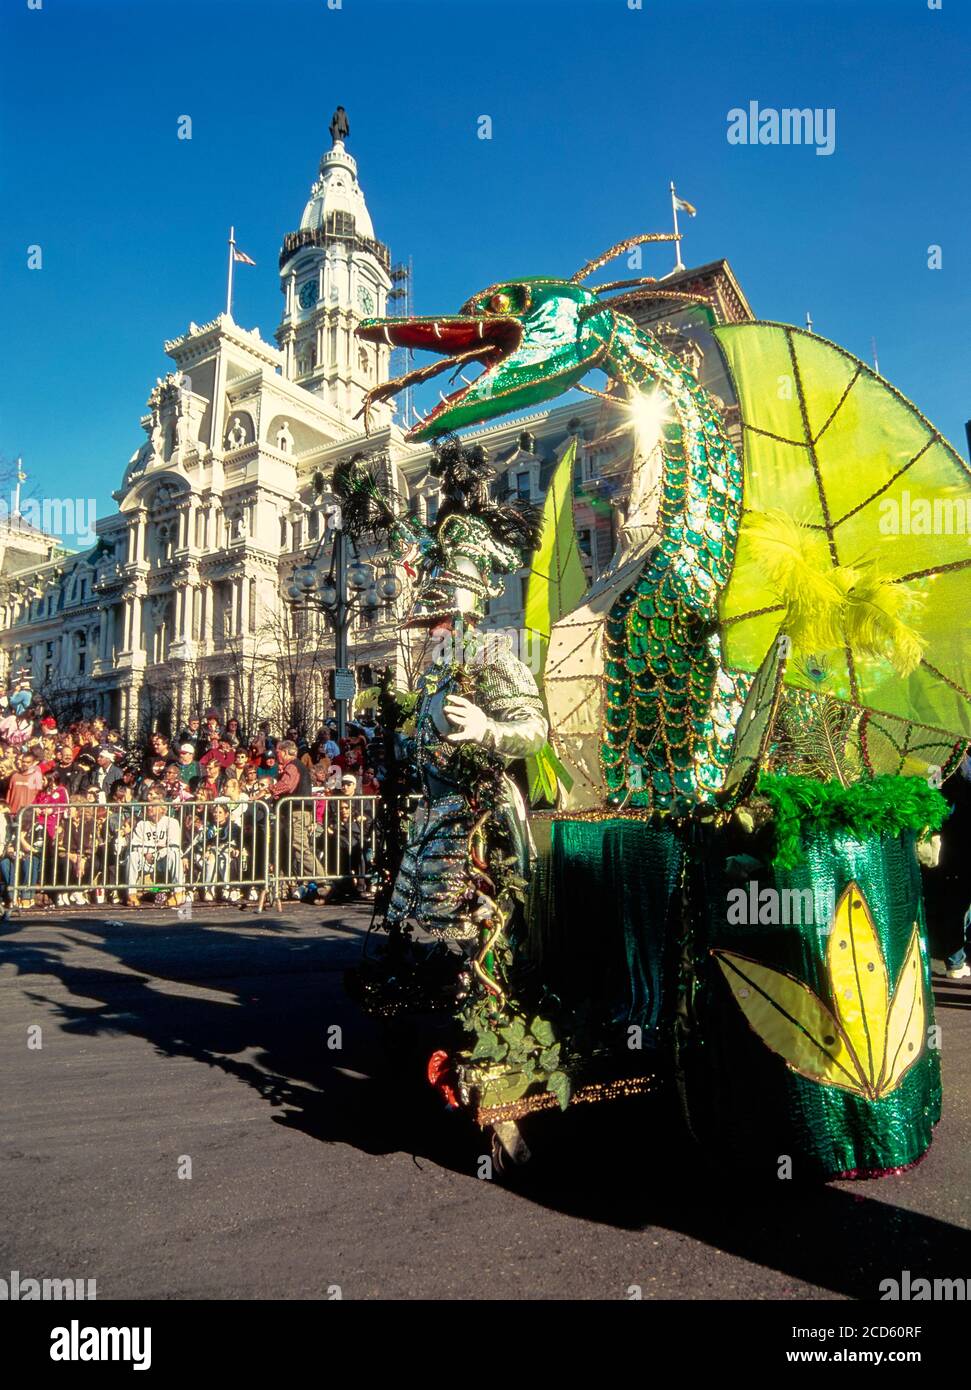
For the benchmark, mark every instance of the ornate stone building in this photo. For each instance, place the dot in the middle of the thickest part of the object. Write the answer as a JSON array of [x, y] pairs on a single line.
[[180, 604]]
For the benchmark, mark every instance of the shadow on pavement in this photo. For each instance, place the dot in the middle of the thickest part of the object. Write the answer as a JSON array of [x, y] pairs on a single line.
[[629, 1166]]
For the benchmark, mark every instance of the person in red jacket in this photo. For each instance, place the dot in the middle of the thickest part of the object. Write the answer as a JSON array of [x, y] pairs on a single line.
[[221, 751], [25, 784]]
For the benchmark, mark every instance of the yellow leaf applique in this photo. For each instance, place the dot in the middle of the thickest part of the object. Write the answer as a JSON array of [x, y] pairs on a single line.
[[790, 1019], [906, 1024], [859, 982], [866, 1042]]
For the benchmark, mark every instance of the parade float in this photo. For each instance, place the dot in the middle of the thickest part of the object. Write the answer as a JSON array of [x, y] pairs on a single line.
[[732, 754]]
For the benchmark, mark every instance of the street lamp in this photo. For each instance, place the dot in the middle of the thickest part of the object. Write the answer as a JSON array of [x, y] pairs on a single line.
[[359, 576], [338, 586], [389, 587]]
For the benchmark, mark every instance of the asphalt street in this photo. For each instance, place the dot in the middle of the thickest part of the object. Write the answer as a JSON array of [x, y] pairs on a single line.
[[188, 1128]]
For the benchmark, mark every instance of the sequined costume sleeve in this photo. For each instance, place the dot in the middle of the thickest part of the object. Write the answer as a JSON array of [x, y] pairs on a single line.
[[433, 885], [506, 691]]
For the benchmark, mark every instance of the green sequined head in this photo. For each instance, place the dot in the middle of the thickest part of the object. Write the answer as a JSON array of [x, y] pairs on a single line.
[[458, 576], [535, 338]]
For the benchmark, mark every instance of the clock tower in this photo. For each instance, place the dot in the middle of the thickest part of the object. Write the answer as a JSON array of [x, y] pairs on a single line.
[[333, 274]]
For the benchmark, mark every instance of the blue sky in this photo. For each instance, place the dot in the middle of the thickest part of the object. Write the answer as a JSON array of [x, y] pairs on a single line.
[[595, 108]]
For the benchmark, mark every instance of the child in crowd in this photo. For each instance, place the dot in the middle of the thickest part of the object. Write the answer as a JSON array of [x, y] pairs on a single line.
[[155, 853]]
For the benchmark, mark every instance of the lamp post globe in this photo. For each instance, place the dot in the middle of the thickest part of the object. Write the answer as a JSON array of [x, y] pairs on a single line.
[[389, 587], [359, 576]]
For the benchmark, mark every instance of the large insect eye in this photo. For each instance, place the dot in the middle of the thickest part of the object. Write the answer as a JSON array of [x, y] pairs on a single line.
[[499, 303], [514, 300]]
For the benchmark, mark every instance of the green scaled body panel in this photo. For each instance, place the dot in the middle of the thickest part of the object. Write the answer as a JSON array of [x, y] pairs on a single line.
[[671, 708]]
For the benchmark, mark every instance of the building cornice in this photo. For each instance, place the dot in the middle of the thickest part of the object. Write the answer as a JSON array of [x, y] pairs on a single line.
[[201, 339]]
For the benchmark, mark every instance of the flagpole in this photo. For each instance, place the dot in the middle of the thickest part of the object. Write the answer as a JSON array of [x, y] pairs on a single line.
[[229, 275], [679, 263]]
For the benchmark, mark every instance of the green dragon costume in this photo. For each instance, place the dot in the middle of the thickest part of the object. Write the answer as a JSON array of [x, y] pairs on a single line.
[[752, 622], [485, 688], [673, 707]]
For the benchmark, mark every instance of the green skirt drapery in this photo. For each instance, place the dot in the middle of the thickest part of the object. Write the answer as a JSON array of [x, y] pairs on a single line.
[[604, 912], [742, 1098], [624, 917]]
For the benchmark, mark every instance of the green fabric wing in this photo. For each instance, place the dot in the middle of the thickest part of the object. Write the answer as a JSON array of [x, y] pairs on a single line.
[[872, 483], [556, 584]]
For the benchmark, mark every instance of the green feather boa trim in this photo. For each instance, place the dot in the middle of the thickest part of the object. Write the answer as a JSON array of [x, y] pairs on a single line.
[[874, 806]]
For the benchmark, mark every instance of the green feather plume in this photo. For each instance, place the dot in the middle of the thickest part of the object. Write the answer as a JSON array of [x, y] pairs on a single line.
[[803, 807], [829, 605], [788, 555], [873, 621], [816, 737]]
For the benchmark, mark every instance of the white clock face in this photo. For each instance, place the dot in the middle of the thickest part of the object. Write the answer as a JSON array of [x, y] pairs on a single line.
[[366, 300]]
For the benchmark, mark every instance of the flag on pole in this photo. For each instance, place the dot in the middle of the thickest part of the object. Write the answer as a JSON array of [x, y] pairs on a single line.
[[679, 205], [234, 255]]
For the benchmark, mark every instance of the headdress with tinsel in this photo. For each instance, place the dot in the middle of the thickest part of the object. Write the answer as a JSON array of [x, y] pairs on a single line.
[[474, 538]]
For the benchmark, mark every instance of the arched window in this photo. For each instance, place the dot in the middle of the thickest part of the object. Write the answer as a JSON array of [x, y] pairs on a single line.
[[340, 224]]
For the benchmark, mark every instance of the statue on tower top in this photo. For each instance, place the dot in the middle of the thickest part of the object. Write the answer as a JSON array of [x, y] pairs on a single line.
[[339, 128]]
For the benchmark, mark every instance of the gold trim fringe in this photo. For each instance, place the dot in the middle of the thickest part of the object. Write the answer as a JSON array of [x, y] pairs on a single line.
[[596, 1093]]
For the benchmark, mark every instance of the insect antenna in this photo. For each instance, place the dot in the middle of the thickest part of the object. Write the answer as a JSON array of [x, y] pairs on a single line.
[[625, 301], [618, 250]]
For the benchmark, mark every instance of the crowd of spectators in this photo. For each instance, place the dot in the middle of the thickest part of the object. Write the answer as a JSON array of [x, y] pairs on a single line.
[[61, 768]]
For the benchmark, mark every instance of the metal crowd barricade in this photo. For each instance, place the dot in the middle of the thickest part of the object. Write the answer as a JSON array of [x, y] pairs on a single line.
[[120, 852], [321, 838]]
